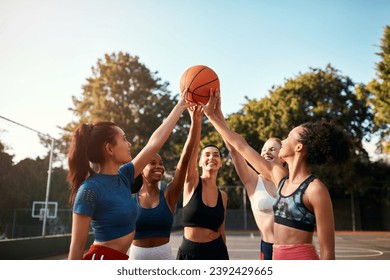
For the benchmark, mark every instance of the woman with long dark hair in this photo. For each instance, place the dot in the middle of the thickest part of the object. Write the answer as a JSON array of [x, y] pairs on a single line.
[[103, 199]]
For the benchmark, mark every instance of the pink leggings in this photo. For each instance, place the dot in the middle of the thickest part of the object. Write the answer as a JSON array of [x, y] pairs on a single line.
[[295, 252]]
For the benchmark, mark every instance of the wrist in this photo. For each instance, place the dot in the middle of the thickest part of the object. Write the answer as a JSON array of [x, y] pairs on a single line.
[[211, 116]]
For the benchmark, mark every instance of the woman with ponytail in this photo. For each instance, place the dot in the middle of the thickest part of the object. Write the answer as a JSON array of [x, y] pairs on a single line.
[[102, 198]]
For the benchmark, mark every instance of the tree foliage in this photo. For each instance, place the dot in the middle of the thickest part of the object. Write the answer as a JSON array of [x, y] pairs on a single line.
[[25, 182], [380, 89]]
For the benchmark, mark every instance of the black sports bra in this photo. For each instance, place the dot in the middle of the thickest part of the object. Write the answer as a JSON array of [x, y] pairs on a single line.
[[197, 214]]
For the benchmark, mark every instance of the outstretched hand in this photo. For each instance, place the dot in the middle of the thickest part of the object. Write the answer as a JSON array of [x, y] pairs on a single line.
[[196, 113], [213, 106], [183, 103]]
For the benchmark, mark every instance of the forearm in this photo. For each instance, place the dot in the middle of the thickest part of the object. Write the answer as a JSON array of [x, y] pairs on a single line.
[[161, 134], [157, 140], [193, 137], [176, 186], [232, 138], [76, 252], [242, 147]]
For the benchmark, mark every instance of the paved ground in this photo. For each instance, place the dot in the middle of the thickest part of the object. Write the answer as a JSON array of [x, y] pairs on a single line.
[[349, 245]]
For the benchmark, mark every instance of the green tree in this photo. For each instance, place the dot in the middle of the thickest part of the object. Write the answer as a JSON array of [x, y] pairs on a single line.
[[125, 91], [319, 94], [5, 179], [380, 89]]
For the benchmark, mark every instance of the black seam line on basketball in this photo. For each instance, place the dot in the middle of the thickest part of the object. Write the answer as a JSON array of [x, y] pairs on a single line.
[[205, 84], [192, 94], [196, 76], [198, 95]]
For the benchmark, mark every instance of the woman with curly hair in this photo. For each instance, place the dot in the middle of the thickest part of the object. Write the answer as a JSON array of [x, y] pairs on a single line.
[[302, 202], [260, 189]]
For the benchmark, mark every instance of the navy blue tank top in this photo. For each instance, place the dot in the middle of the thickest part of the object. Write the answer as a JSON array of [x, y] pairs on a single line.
[[153, 222], [197, 214], [291, 211]]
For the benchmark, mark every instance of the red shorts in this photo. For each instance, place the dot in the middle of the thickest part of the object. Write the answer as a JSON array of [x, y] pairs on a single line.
[[295, 252], [99, 252]]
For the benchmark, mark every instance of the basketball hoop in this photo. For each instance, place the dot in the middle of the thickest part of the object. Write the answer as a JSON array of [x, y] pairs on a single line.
[[38, 210]]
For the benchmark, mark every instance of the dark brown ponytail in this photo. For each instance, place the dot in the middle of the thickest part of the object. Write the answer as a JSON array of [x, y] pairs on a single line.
[[87, 146]]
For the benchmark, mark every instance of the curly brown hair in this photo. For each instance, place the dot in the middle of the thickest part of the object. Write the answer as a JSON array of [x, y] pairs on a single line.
[[325, 143]]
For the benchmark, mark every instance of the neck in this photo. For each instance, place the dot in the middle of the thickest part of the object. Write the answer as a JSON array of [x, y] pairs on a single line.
[[298, 171], [209, 178], [110, 169], [149, 188]]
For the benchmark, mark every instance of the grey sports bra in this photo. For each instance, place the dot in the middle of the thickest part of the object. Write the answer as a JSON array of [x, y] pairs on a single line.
[[291, 211]]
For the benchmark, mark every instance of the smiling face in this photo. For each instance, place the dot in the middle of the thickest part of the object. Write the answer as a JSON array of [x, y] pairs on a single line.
[[154, 170], [271, 148], [210, 158]]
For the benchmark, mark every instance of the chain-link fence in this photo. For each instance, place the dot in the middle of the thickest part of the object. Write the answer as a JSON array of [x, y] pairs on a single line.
[[27, 224]]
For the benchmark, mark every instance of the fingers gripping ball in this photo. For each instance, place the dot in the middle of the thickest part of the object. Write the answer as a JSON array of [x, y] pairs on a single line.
[[199, 79]]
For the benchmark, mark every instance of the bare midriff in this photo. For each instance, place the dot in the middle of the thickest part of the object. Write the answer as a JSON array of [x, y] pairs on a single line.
[[120, 244], [284, 235], [199, 234], [151, 242]]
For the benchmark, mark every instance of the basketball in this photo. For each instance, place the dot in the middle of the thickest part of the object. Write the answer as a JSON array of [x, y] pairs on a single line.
[[199, 79]]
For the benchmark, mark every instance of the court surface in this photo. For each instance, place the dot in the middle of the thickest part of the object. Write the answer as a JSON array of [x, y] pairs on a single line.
[[349, 245], [244, 245]]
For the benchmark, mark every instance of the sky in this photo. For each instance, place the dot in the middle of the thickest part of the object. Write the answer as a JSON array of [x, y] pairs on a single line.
[[47, 49]]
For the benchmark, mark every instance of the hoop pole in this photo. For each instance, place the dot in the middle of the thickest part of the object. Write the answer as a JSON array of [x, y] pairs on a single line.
[[48, 187], [244, 202]]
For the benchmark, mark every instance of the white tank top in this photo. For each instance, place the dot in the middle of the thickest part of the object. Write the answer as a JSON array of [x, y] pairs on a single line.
[[261, 200]]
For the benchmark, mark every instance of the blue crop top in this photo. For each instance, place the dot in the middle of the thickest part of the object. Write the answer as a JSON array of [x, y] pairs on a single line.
[[153, 222], [108, 200], [197, 214], [291, 211]]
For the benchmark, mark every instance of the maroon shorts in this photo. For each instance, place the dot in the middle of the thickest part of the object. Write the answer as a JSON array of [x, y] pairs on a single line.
[[99, 252]]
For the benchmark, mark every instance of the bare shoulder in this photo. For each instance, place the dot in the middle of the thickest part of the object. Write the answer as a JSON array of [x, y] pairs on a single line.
[[317, 186], [316, 193]]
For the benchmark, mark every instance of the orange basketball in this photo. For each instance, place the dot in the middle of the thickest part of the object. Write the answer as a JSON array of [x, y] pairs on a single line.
[[199, 79]]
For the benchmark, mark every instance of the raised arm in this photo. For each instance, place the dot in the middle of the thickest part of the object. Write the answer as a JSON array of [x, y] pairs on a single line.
[[160, 135], [176, 186], [247, 175], [268, 169], [192, 174]]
